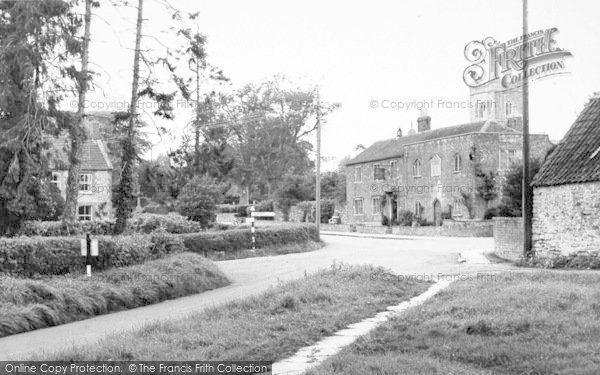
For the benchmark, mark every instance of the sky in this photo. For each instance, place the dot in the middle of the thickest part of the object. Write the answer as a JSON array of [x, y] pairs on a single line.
[[358, 53]]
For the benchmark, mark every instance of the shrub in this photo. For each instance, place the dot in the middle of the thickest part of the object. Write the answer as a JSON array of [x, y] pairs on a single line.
[[491, 213], [242, 210], [227, 208], [197, 201], [405, 218], [309, 210], [57, 228], [240, 239], [146, 223], [31, 304], [32, 256], [578, 261]]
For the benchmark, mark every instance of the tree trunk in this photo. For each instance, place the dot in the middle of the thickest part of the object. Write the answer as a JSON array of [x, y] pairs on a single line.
[[77, 131], [125, 192]]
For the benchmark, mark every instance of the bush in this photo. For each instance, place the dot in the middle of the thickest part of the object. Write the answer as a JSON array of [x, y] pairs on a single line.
[[240, 239], [143, 223], [491, 213], [32, 256], [242, 210], [197, 201], [405, 218], [146, 223], [31, 304], [309, 210]]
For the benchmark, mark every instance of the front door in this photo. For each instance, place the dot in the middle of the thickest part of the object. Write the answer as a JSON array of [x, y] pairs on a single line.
[[437, 213]]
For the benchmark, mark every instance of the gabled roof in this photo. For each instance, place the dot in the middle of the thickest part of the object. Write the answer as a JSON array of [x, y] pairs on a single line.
[[576, 159], [94, 156], [391, 148]]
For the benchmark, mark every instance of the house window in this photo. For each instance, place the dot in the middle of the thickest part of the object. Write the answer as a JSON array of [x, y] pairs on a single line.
[[376, 202], [458, 208], [378, 172], [357, 174], [84, 213], [457, 163], [85, 182], [55, 179], [436, 166], [509, 108], [393, 171], [417, 168], [358, 206]]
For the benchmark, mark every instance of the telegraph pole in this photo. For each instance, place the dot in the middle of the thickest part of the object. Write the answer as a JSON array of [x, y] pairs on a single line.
[[318, 187], [527, 190]]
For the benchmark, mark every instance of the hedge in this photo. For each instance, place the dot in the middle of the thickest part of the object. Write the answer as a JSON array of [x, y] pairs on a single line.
[[27, 304], [32, 256], [240, 239], [142, 223]]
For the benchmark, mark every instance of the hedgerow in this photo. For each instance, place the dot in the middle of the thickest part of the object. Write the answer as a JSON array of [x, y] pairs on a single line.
[[239, 239]]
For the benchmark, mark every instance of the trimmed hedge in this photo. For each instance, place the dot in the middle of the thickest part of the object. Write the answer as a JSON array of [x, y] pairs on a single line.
[[32, 256], [26, 305], [143, 223], [575, 261], [239, 239], [35, 256]]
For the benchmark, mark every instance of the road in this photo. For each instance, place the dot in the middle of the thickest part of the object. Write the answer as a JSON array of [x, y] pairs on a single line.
[[417, 257]]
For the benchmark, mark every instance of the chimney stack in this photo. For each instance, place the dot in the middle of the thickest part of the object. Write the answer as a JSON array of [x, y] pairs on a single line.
[[424, 121], [399, 133]]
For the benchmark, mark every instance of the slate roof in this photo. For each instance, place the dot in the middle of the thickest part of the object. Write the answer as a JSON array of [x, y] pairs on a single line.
[[94, 156], [576, 159], [391, 148]]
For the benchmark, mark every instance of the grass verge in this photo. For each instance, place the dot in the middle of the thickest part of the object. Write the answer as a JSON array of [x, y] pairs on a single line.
[[27, 304], [301, 247], [270, 326], [519, 323]]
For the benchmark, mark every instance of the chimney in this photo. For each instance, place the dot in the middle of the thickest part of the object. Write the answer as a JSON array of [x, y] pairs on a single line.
[[424, 121], [399, 133]]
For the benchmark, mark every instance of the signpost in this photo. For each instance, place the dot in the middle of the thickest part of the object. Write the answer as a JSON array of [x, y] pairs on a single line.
[[89, 249]]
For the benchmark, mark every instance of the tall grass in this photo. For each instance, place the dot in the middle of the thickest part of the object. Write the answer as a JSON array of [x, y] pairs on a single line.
[[27, 304]]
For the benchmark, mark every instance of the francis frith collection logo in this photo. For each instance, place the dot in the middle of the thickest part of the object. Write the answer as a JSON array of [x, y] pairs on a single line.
[[492, 60]]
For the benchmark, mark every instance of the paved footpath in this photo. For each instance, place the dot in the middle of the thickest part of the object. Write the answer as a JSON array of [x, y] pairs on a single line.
[[420, 257]]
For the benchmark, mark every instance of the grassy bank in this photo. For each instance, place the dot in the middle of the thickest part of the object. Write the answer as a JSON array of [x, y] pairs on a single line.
[[27, 304], [271, 326], [520, 323]]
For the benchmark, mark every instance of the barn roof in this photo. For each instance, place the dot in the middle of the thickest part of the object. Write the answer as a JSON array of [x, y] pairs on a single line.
[[391, 148], [576, 159]]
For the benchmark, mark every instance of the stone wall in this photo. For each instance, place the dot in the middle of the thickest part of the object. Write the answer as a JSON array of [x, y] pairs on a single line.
[[471, 228], [508, 237], [566, 219]]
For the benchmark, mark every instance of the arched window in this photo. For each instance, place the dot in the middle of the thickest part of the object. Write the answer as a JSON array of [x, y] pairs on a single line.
[[457, 163], [436, 166], [417, 168]]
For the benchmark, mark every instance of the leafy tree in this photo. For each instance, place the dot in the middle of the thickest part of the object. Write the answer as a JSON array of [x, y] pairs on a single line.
[[512, 189], [197, 200], [293, 189], [37, 40]]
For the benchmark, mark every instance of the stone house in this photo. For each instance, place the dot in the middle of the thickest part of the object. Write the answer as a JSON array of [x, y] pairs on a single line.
[[94, 200], [434, 172], [566, 204]]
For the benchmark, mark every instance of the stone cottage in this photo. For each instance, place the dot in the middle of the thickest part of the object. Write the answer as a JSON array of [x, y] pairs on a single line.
[[566, 204], [95, 178], [434, 172]]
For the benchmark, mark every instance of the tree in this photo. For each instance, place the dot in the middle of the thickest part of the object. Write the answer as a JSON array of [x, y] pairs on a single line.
[[293, 189], [197, 200], [37, 41], [76, 130], [268, 126], [512, 189]]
